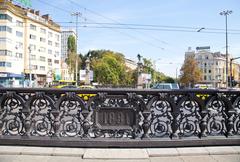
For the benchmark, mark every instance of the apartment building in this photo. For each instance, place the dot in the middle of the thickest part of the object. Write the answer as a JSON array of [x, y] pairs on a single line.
[[66, 75], [30, 44], [213, 66]]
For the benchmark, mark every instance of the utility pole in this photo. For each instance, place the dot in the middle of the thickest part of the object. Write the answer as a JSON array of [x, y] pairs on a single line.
[[77, 14], [226, 13]]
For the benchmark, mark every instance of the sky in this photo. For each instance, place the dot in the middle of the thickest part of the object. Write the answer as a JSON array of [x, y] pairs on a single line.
[[156, 40]]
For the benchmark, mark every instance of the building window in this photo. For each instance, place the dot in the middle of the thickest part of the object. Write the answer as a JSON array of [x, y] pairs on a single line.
[[209, 77], [5, 40], [33, 27], [19, 23], [42, 58], [206, 57], [19, 34], [56, 61], [5, 64], [33, 47], [50, 34], [19, 45], [205, 77], [49, 43], [56, 44], [57, 37], [33, 57], [42, 49], [50, 62], [56, 54], [5, 17], [5, 28], [209, 71], [42, 39], [42, 68], [43, 31], [31, 36], [49, 51], [5, 53], [34, 67], [19, 55]]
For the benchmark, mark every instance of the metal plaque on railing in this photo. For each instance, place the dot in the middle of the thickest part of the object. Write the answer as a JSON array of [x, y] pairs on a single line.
[[115, 118]]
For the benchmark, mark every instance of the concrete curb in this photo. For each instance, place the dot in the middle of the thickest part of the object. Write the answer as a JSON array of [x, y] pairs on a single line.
[[119, 153]]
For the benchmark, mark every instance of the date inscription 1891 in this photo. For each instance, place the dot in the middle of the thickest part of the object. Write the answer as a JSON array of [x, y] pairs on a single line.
[[122, 118]]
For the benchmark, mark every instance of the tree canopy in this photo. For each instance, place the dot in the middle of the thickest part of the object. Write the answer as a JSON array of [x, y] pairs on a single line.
[[190, 72], [72, 57]]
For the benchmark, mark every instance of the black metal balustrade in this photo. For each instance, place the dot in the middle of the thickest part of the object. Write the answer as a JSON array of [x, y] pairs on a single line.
[[119, 117]]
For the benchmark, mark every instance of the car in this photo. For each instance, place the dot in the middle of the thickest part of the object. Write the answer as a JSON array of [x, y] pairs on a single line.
[[85, 97], [166, 86]]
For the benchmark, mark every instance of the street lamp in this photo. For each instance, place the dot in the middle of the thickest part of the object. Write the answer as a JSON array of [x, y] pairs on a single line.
[[139, 71], [226, 13], [77, 14]]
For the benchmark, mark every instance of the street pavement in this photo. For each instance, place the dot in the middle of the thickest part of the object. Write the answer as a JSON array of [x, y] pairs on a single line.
[[56, 154]]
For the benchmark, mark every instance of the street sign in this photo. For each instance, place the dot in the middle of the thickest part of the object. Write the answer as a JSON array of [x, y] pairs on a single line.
[[27, 3]]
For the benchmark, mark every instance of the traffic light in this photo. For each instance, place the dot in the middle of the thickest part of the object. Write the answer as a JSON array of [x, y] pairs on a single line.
[[234, 82]]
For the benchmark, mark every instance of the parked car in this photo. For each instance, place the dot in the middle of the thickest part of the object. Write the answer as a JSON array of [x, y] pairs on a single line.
[[166, 86]]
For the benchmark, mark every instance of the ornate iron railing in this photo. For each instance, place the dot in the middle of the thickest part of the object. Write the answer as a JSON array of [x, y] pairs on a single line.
[[119, 117]]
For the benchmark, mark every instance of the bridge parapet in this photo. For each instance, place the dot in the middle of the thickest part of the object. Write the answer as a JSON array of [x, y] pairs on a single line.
[[119, 117]]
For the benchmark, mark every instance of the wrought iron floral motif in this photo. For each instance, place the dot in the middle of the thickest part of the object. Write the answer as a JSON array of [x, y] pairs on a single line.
[[161, 116], [41, 117], [217, 117], [70, 115], [236, 118], [12, 117], [189, 116]]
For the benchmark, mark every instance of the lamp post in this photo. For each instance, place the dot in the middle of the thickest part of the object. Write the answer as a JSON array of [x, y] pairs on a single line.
[[226, 13], [139, 72], [77, 14]]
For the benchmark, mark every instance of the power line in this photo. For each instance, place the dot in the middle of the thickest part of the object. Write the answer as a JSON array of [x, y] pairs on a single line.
[[108, 18], [133, 37]]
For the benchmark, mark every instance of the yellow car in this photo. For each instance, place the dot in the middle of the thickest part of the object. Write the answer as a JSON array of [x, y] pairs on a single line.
[[86, 97]]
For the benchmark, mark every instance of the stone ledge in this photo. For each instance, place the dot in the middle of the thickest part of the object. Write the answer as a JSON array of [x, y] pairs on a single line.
[[115, 154]]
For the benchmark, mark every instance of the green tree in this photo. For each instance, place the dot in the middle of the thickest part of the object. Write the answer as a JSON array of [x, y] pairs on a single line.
[[109, 68], [72, 58], [190, 72]]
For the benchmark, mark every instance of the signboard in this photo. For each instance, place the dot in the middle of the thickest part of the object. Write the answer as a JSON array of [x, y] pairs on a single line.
[[26, 3], [120, 118], [146, 78], [83, 75], [3, 75], [203, 48]]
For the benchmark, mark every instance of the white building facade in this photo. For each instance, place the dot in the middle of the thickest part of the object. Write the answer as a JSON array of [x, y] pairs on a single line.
[[30, 44], [66, 75], [213, 66]]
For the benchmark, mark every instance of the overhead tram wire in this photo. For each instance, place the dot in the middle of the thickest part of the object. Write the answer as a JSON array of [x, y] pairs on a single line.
[[111, 19], [132, 28], [133, 37]]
